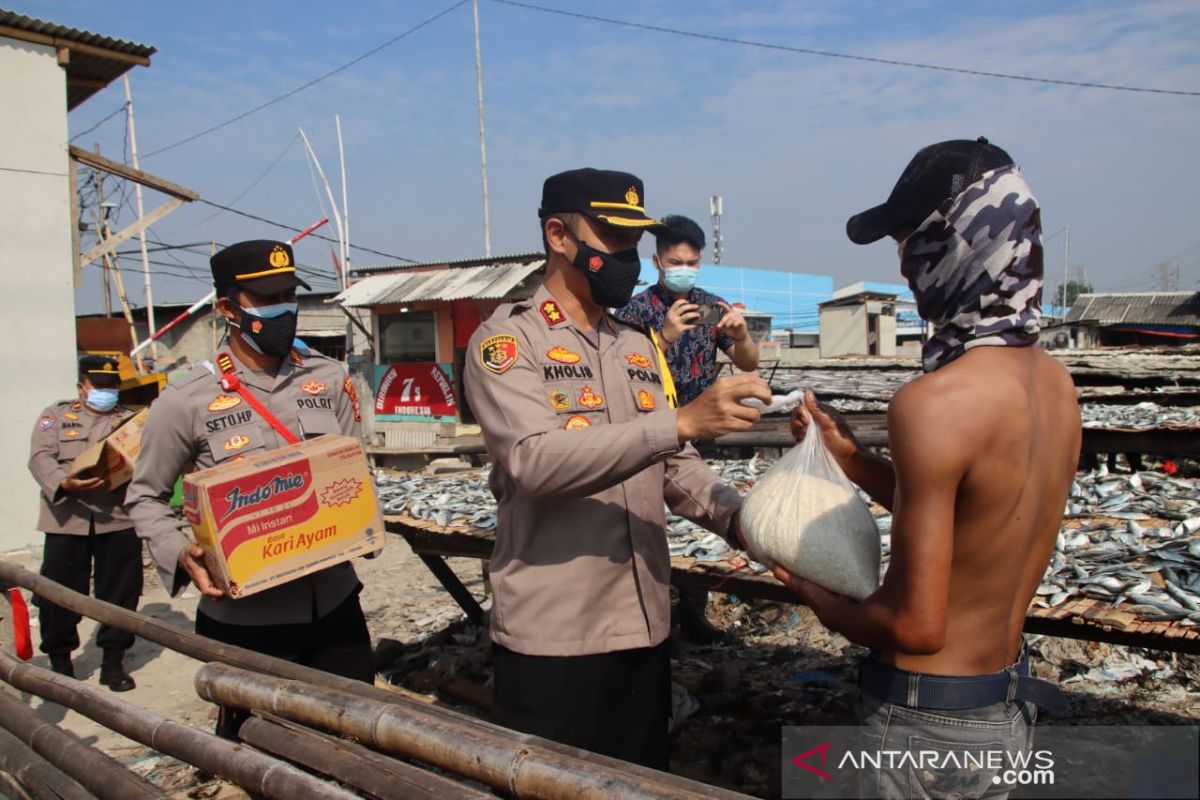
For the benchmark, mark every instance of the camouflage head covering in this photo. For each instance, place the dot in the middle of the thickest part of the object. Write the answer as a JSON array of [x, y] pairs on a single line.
[[975, 268]]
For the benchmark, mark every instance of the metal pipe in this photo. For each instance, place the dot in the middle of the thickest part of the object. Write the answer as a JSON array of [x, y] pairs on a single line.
[[520, 771], [95, 771], [35, 775], [378, 775], [424, 717], [251, 770]]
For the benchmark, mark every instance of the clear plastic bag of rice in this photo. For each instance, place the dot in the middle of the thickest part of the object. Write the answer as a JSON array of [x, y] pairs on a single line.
[[805, 515]]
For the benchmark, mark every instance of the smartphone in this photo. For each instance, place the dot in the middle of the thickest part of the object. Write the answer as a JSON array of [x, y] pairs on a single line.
[[710, 315]]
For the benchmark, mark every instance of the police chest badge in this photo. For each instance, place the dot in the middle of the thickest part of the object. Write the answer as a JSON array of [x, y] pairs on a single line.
[[237, 442], [313, 387], [645, 400], [589, 399], [69, 415], [560, 400], [638, 360], [577, 423], [224, 401], [562, 355], [498, 353]]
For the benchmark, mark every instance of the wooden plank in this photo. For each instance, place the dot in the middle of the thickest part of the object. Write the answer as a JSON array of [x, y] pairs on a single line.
[[110, 244], [146, 179]]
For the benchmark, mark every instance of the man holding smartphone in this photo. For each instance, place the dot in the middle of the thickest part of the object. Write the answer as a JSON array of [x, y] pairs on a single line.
[[691, 325]]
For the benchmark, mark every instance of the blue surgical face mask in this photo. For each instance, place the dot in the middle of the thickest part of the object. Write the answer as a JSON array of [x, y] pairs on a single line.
[[102, 399], [272, 311], [680, 279]]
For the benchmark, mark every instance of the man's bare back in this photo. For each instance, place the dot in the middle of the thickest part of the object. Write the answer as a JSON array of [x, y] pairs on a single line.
[[1008, 416]]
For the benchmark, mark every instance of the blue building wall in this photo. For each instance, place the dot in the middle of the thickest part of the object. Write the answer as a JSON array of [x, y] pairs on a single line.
[[790, 298]]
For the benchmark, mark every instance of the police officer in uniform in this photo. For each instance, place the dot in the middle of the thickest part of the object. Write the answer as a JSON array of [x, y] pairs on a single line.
[[577, 410], [315, 620], [85, 522]]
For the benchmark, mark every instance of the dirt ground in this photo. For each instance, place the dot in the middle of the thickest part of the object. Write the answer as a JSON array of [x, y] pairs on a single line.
[[777, 668]]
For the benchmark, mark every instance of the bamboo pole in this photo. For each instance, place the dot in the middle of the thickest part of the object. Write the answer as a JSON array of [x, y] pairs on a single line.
[[251, 770], [36, 775], [378, 775], [521, 772], [94, 770], [433, 727]]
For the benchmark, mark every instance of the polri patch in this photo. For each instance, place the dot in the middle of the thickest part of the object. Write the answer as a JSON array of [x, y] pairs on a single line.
[[638, 360], [313, 387], [236, 442], [577, 423], [498, 353], [645, 400], [224, 401], [589, 399], [560, 400], [562, 355], [552, 313]]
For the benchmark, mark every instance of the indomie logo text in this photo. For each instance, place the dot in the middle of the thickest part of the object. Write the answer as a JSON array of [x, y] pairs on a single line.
[[239, 499]]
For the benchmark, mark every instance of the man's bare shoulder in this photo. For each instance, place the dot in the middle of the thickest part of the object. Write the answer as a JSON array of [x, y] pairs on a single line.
[[938, 413]]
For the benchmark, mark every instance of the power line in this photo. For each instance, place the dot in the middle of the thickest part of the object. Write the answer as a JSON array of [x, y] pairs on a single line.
[[285, 226], [831, 54], [253, 184], [119, 110], [310, 84]]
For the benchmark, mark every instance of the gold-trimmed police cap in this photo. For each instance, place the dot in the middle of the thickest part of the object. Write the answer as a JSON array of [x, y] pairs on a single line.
[[101, 371], [614, 198], [262, 266]]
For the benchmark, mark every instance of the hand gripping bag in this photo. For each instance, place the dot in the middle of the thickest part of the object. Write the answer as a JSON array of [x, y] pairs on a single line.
[[805, 515]]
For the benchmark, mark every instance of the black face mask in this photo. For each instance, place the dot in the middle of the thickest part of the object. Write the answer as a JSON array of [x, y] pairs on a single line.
[[272, 336], [612, 276]]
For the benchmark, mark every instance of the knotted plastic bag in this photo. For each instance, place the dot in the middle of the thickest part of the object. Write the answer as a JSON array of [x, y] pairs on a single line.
[[805, 515]]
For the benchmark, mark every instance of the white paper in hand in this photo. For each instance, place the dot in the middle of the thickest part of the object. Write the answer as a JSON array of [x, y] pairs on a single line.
[[805, 515]]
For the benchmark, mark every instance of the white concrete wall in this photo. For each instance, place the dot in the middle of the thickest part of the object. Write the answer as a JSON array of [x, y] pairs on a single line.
[[37, 308], [843, 331]]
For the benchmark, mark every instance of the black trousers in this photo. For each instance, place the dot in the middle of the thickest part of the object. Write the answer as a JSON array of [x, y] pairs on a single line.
[[338, 642], [616, 704], [69, 559]]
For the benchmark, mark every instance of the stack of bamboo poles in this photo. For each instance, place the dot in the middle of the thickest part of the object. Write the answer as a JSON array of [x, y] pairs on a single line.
[[301, 717]]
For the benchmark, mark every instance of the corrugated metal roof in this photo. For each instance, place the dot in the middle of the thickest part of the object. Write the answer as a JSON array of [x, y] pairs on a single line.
[[468, 262], [100, 61], [1138, 308], [490, 282]]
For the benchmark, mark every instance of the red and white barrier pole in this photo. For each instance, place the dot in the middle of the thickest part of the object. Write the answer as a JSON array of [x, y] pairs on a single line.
[[208, 298]]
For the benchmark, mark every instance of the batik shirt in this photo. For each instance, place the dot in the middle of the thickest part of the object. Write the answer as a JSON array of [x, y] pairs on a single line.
[[692, 359]]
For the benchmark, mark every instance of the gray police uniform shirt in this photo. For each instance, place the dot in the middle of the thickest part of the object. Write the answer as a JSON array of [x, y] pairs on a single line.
[[63, 431], [585, 454], [194, 425]]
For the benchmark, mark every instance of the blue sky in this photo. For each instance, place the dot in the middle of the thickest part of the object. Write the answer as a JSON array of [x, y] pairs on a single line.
[[794, 143]]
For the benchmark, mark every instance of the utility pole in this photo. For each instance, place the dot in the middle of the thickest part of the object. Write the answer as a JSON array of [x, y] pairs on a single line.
[[98, 179], [1066, 261], [716, 207], [110, 266], [137, 190], [487, 225]]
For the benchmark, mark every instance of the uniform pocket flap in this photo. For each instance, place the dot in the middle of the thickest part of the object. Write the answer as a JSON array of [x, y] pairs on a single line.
[[315, 423], [235, 441]]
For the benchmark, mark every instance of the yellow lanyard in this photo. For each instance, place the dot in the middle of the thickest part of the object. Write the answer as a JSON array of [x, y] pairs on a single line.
[[664, 371]]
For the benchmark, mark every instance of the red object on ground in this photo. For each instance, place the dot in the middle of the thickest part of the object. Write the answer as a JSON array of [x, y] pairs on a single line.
[[20, 618], [1170, 467]]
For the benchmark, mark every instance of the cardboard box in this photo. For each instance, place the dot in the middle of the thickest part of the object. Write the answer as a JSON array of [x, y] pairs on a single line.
[[113, 457], [276, 516]]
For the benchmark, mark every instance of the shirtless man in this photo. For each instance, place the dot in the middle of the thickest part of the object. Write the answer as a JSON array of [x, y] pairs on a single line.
[[984, 446]]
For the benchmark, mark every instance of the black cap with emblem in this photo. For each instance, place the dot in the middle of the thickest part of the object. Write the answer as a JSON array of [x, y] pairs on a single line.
[[261, 266], [101, 371], [935, 174], [614, 198]]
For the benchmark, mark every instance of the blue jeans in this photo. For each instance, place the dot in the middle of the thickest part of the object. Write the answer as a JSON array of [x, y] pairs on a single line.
[[968, 733]]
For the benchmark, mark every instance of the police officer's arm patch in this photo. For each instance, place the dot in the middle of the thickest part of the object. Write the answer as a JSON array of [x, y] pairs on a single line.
[[498, 353], [46, 422]]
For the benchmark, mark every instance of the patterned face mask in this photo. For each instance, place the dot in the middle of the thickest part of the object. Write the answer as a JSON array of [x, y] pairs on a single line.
[[975, 268]]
